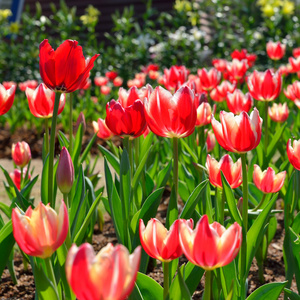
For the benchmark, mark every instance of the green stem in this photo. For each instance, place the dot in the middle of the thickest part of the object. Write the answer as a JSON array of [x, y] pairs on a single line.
[[68, 238], [136, 152], [47, 136], [175, 166], [207, 288], [21, 179], [266, 128], [166, 279], [201, 139], [260, 203], [71, 124], [222, 207], [50, 273], [243, 256], [52, 148]]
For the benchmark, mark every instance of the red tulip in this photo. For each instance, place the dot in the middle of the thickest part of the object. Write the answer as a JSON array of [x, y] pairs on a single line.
[[293, 92], [8, 84], [105, 90], [293, 153], [210, 246], [99, 81], [232, 171], [21, 154], [210, 141], [160, 243], [278, 112], [127, 98], [237, 69], [220, 92], [175, 77], [209, 79], [264, 86], [111, 75], [220, 64], [41, 101], [238, 102], [203, 114], [6, 98], [296, 52], [126, 121], [267, 181], [86, 85], [40, 231], [171, 116], [103, 132], [275, 50], [243, 54], [32, 84], [153, 74], [118, 81], [238, 133], [109, 275], [64, 70], [295, 64], [16, 177]]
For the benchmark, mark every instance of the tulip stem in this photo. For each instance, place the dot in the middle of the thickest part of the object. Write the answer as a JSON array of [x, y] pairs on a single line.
[[68, 238], [175, 166], [51, 152], [201, 141], [166, 279], [71, 124], [221, 205], [260, 203], [50, 273], [46, 136], [266, 128], [21, 179], [208, 283]]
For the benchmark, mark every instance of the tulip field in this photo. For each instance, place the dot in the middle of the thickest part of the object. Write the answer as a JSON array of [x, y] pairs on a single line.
[[201, 170]]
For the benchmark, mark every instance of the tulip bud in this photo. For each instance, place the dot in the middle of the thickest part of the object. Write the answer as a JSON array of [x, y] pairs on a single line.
[[80, 120], [21, 154], [65, 172]]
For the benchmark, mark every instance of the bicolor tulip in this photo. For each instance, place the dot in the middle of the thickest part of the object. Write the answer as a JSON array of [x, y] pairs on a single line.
[[21, 154], [109, 275], [118, 81], [239, 133], [237, 69], [238, 102], [40, 231], [103, 132], [126, 121], [264, 86], [209, 79], [220, 64], [64, 69], [278, 112], [160, 243], [296, 52], [267, 181], [8, 84], [41, 101], [243, 54], [174, 77], [293, 153], [32, 84], [7, 97], [292, 92], [111, 75], [171, 115], [105, 89], [295, 64], [275, 50], [232, 171], [127, 98], [210, 246], [16, 177], [204, 113], [210, 141], [220, 92], [100, 80], [65, 172]]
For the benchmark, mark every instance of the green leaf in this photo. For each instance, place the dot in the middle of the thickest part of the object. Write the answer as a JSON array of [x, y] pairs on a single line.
[[146, 144], [63, 140], [172, 212], [87, 149], [270, 291], [7, 242], [44, 181], [148, 287], [191, 203], [125, 184], [291, 295], [163, 175], [189, 150], [273, 142], [260, 154], [113, 160], [295, 241], [193, 275], [77, 148], [6, 209]]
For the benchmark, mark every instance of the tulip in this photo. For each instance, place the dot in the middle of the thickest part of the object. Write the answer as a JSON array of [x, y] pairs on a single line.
[[99, 81], [238, 133], [220, 92], [220, 64], [105, 90], [32, 84], [293, 92], [127, 98], [232, 171], [296, 52], [6, 98], [293, 153], [111, 75], [65, 172], [86, 85], [118, 81], [210, 141], [109, 275], [41, 101], [238, 102], [278, 112], [8, 84], [203, 114], [40, 231], [275, 50], [237, 69], [295, 64], [264, 86], [160, 243], [103, 132], [126, 121], [153, 74], [243, 54], [209, 79], [80, 120], [210, 246], [16, 177], [267, 181], [175, 77], [64, 70], [21, 154], [171, 116]]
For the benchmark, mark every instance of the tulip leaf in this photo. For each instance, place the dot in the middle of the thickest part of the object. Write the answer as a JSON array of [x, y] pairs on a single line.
[[148, 287], [28, 187], [188, 178], [273, 141], [189, 150], [6, 209], [113, 160], [7, 242], [146, 144], [260, 154], [192, 275], [296, 223], [183, 191], [255, 233], [172, 212], [163, 175], [125, 184], [269, 291], [234, 212], [87, 149], [139, 170], [44, 181], [193, 200], [295, 241], [291, 295], [77, 148], [63, 140]]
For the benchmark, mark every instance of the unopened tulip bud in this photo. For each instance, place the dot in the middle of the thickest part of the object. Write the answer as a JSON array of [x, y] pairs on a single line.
[[65, 172], [21, 154]]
